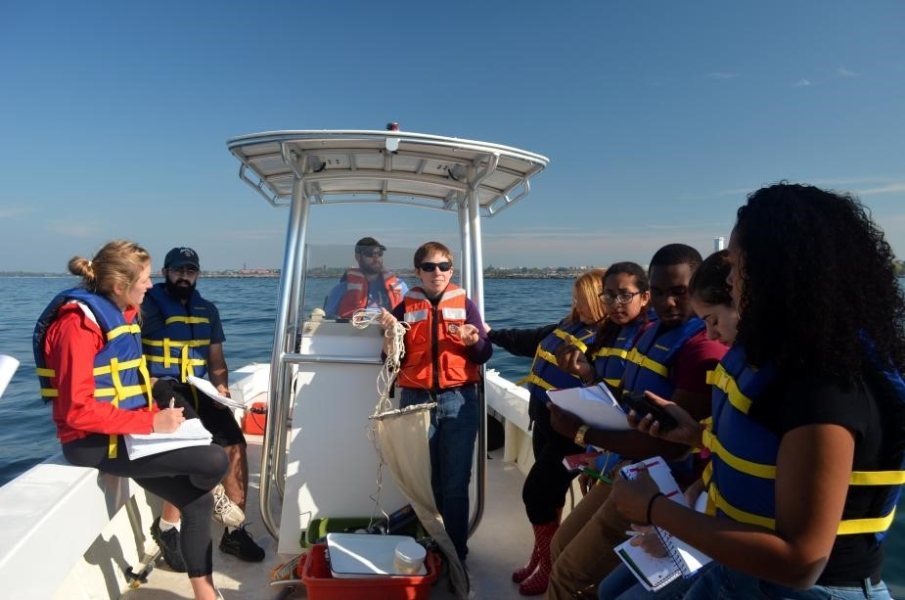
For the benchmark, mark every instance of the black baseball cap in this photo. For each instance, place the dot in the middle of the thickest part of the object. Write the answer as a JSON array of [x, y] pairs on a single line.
[[181, 257], [368, 242]]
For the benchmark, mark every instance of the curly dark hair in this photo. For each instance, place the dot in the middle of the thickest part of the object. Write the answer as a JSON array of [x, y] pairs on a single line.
[[816, 274], [708, 282]]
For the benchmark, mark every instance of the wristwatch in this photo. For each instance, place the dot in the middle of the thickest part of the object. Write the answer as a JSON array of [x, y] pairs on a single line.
[[579, 435]]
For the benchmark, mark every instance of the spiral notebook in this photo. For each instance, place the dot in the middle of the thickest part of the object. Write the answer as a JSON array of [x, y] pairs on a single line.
[[682, 559]]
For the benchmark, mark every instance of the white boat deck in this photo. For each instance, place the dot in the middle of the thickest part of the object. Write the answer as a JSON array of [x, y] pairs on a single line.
[[501, 544]]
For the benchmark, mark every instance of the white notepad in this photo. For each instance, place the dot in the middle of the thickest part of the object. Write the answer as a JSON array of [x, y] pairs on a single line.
[[190, 433], [208, 389], [682, 560], [594, 405]]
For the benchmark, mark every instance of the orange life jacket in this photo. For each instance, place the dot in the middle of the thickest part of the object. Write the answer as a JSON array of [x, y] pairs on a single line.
[[433, 340], [356, 295]]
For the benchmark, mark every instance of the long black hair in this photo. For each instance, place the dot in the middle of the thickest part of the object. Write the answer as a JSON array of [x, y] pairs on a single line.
[[816, 274]]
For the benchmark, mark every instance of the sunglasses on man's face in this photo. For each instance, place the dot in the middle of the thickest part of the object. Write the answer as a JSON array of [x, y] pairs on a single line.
[[371, 253], [430, 266]]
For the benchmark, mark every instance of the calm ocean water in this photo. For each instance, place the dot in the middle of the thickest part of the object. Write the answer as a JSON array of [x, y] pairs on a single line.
[[247, 307]]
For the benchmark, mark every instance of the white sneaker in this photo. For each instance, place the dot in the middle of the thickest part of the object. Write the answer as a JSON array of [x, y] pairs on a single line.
[[226, 511]]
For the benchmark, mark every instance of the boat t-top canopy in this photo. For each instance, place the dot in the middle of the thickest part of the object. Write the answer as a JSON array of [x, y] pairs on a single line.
[[360, 166], [301, 169]]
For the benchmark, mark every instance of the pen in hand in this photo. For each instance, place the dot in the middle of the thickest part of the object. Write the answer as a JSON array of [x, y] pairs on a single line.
[[596, 475], [172, 402]]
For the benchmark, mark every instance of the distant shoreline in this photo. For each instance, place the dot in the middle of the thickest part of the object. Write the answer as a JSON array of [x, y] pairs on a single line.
[[489, 273]]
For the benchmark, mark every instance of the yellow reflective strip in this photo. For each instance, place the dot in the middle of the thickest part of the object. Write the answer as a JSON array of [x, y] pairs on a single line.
[[117, 382], [532, 378], [114, 392], [44, 372], [710, 377], [568, 337], [185, 368], [122, 330], [169, 343], [129, 364], [652, 365], [875, 525], [707, 474], [605, 352], [197, 362], [726, 382], [846, 527], [877, 478], [49, 393], [739, 464], [118, 393], [707, 438], [188, 320], [613, 382], [737, 514], [547, 356], [633, 356], [646, 363], [146, 382]]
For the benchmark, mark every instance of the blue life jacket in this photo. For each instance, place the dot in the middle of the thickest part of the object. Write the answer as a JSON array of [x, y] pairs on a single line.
[[182, 347], [741, 477], [648, 367], [649, 362], [120, 375], [610, 361], [545, 372]]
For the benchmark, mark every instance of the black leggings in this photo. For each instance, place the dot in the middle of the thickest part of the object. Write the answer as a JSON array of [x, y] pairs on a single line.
[[548, 481], [182, 477]]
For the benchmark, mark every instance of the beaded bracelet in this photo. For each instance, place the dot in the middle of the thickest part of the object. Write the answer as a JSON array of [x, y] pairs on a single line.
[[650, 506]]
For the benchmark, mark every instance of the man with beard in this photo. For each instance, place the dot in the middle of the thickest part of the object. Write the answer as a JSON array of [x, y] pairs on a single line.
[[182, 335], [368, 286]]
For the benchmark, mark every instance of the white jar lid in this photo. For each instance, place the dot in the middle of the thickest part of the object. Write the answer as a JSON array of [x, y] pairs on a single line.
[[410, 551]]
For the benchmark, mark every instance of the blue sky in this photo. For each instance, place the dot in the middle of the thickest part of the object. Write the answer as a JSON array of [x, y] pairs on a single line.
[[657, 117]]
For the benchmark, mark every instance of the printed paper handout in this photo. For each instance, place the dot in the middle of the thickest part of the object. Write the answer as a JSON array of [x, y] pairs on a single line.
[[209, 390], [8, 366], [594, 405], [190, 433], [682, 560]]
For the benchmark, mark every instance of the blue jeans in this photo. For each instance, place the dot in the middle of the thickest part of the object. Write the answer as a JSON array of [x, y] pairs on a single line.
[[621, 583], [453, 430], [723, 582]]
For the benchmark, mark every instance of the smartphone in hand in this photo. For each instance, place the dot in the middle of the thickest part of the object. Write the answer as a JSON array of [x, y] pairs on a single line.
[[642, 405]]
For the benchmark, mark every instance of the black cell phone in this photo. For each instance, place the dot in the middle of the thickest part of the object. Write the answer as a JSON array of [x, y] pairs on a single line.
[[642, 405]]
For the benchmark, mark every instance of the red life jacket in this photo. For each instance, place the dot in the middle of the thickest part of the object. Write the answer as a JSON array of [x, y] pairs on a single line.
[[433, 340], [356, 295]]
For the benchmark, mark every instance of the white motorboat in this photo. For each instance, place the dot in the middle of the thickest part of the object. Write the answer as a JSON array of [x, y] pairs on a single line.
[[66, 532]]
